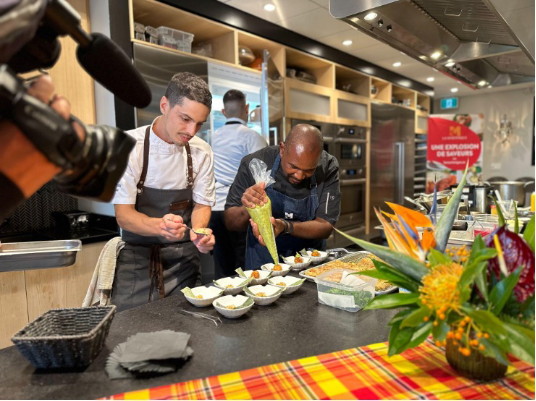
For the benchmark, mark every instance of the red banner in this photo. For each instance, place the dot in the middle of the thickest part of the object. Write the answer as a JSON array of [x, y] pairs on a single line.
[[452, 144]]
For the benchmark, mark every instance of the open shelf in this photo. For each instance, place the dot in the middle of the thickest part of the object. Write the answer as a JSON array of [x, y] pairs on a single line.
[[380, 90], [300, 64], [403, 97], [350, 81]]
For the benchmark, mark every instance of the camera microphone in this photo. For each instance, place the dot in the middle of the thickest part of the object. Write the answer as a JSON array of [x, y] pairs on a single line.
[[110, 66]]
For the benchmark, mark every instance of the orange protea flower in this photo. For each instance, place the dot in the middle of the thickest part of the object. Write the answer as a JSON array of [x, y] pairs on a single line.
[[439, 290]]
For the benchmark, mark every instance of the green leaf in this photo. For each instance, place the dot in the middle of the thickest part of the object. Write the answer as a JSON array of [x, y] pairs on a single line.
[[392, 301], [493, 351], [416, 317], [528, 234], [398, 339], [512, 338], [419, 335], [502, 291], [440, 331], [438, 258], [393, 279], [444, 225], [386, 272], [502, 222], [516, 219], [398, 261], [396, 319]]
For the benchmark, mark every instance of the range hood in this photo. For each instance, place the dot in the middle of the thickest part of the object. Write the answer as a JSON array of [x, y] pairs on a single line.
[[481, 43]]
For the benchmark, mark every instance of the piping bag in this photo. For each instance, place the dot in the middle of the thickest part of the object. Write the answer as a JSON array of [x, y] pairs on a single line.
[[261, 214]]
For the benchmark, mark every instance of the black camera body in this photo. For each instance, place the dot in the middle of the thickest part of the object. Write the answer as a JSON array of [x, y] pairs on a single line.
[[91, 167]]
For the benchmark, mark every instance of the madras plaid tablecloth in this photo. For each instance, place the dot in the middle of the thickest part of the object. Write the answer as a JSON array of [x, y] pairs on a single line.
[[357, 373]]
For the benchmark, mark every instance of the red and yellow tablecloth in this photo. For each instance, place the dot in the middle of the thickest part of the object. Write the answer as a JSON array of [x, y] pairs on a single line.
[[357, 373]]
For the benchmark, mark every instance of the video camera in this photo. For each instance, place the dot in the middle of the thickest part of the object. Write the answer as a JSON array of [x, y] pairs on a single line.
[[91, 167]]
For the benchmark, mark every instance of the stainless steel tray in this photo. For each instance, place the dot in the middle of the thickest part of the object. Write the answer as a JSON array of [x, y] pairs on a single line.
[[38, 254]]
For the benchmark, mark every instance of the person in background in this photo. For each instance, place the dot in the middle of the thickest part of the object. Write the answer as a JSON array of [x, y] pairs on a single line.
[[168, 186], [230, 144], [305, 196]]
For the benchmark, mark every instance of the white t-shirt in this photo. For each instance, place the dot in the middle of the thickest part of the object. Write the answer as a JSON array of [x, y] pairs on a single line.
[[230, 144], [168, 168]]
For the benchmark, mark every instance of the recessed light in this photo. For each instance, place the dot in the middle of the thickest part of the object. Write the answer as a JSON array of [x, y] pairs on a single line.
[[454, 90], [436, 55], [269, 7], [450, 64], [430, 79], [370, 16], [482, 83], [347, 42], [397, 64], [354, 19]]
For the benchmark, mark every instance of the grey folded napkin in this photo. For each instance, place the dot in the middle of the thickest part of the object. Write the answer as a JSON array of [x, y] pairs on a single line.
[[147, 354]]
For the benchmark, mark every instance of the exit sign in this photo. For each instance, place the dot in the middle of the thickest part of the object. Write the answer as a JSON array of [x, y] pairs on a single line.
[[448, 103]]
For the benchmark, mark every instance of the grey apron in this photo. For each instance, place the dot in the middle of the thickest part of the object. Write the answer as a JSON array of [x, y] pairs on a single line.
[[147, 264]]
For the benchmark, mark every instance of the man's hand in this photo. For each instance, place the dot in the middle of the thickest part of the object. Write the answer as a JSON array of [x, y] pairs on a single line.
[[172, 227], [278, 225], [255, 195], [203, 242]]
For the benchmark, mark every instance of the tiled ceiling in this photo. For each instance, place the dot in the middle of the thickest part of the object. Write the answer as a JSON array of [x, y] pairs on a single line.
[[312, 19]]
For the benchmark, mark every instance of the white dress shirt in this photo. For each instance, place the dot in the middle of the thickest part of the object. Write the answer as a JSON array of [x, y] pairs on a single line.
[[167, 168], [230, 144]]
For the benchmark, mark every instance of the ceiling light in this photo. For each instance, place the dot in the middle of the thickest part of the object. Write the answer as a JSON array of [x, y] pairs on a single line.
[[430, 79], [450, 64], [397, 64], [454, 90], [370, 16], [347, 42], [436, 55], [380, 23], [482, 83], [354, 19], [389, 28], [269, 7]]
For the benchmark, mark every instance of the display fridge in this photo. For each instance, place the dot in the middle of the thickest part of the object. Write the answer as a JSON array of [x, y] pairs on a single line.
[[392, 156]]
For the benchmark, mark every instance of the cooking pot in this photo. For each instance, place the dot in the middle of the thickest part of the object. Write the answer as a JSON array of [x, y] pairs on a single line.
[[512, 190], [427, 200]]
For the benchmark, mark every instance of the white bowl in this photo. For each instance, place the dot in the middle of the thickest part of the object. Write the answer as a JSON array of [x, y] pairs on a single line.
[[263, 276], [270, 267], [288, 284], [317, 259], [222, 305], [272, 293], [208, 295], [289, 260], [231, 285]]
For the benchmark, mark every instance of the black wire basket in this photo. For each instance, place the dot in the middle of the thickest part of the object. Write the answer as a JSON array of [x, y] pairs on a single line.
[[65, 338]]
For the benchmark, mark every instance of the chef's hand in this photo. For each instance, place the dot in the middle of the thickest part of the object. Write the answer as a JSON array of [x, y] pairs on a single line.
[[203, 242], [278, 225], [255, 195], [172, 227]]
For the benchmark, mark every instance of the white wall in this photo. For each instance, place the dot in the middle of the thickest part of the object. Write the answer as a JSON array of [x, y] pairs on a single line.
[[512, 159]]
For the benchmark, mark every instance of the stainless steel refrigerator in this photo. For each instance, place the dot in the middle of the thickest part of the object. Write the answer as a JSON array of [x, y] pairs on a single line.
[[392, 155]]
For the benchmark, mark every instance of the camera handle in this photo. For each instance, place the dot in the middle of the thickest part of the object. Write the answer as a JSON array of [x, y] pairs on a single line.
[[54, 136]]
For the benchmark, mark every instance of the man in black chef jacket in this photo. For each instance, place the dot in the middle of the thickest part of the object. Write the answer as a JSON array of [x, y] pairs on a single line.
[[305, 196]]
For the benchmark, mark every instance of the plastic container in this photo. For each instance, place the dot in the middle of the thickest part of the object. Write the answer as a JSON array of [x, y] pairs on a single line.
[[348, 298], [174, 38]]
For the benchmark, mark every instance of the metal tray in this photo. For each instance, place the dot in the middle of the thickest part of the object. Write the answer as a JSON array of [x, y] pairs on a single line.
[[351, 257], [38, 254]]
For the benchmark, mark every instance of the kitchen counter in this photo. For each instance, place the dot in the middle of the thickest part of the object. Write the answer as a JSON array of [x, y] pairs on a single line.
[[295, 326]]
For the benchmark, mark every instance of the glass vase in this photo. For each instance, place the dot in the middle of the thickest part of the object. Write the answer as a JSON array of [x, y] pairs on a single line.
[[474, 366]]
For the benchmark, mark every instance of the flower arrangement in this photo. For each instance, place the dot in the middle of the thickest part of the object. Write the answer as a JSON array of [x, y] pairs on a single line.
[[478, 302]]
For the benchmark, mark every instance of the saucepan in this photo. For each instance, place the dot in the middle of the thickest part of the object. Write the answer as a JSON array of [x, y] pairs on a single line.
[[512, 190]]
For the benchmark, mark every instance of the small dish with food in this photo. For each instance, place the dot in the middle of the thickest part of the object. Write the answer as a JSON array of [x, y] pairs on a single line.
[[256, 276], [263, 294], [281, 269], [317, 256], [202, 296], [297, 262], [232, 285], [233, 306], [289, 284]]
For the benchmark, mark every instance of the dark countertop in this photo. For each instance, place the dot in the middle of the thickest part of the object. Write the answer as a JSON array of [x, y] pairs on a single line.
[[295, 326]]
